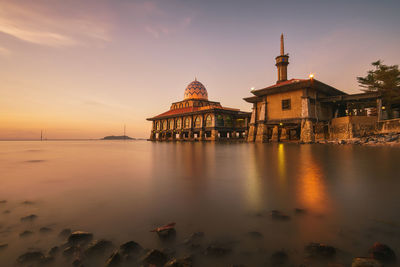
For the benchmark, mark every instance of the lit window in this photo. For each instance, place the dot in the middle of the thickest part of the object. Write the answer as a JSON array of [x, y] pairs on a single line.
[[208, 121], [197, 122]]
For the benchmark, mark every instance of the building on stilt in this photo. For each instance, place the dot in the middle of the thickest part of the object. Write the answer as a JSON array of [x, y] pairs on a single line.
[[195, 118]]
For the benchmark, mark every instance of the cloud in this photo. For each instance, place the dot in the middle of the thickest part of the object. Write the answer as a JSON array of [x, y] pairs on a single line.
[[41, 24]]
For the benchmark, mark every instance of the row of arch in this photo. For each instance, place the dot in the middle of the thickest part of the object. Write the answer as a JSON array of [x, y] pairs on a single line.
[[185, 123], [186, 105]]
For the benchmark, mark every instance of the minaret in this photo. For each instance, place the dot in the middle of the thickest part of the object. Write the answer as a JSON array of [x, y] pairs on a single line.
[[281, 63]]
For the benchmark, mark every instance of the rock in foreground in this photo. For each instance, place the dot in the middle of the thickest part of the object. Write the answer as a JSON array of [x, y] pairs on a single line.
[[320, 251], [80, 237], [98, 247], [155, 257], [365, 262], [382, 253], [31, 257]]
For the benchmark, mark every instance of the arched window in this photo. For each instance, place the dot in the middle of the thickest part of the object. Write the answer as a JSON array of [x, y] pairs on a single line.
[[171, 124], [186, 104], [157, 125], [220, 120], [164, 125], [197, 122], [186, 123], [240, 123], [179, 123], [228, 121], [180, 105], [208, 121]]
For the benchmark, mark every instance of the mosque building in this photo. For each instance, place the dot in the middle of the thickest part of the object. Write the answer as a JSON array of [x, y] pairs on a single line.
[[195, 118], [308, 110]]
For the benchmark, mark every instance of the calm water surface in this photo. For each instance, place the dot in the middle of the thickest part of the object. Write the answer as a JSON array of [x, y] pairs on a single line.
[[121, 190]]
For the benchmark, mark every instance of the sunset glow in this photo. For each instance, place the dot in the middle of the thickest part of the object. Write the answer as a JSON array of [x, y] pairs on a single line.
[[83, 69]]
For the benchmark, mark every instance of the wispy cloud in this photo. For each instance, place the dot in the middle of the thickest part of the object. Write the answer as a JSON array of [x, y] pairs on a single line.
[[39, 24]]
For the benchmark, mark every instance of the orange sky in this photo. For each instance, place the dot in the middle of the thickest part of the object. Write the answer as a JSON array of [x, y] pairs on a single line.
[[83, 69]]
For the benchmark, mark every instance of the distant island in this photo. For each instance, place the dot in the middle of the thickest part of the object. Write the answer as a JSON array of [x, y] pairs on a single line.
[[118, 137]]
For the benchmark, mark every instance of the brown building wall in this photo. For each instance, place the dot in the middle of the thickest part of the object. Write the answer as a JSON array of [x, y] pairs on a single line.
[[352, 126], [274, 105]]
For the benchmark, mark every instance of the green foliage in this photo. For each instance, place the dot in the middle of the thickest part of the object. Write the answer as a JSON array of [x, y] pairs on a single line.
[[383, 79]]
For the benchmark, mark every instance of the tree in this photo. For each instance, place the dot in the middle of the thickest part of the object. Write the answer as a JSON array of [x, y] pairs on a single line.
[[385, 80]]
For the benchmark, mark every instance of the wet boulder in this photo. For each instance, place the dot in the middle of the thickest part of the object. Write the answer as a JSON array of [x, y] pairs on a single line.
[[3, 201], [114, 260], [365, 262], [3, 246], [320, 251], [278, 215], [279, 258], [65, 233], [155, 257], [182, 262], [98, 247], [29, 218], [382, 253], [130, 248], [27, 202], [6, 212], [31, 257], [70, 251], [80, 237]]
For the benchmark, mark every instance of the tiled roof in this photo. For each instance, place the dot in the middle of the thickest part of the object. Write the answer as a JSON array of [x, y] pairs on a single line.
[[177, 111], [190, 109], [291, 81]]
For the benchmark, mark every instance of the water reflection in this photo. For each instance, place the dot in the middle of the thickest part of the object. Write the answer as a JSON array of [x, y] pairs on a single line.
[[120, 190], [311, 192]]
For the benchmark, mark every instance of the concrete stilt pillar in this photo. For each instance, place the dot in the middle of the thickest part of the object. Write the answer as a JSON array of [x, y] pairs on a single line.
[[307, 131], [262, 133], [251, 137], [201, 137], [284, 135], [214, 135], [275, 134]]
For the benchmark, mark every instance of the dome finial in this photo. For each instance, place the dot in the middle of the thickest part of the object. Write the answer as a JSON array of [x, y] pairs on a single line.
[[195, 78]]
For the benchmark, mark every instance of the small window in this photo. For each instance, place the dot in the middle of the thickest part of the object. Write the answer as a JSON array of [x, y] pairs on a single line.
[[312, 101], [286, 104]]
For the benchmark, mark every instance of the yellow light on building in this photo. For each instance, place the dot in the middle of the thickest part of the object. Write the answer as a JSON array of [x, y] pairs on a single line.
[[383, 108], [311, 76], [280, 123]]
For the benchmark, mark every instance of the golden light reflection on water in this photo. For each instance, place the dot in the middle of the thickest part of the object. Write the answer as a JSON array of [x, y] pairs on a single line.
[[253, 186], [311, 189], [281, 163]]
